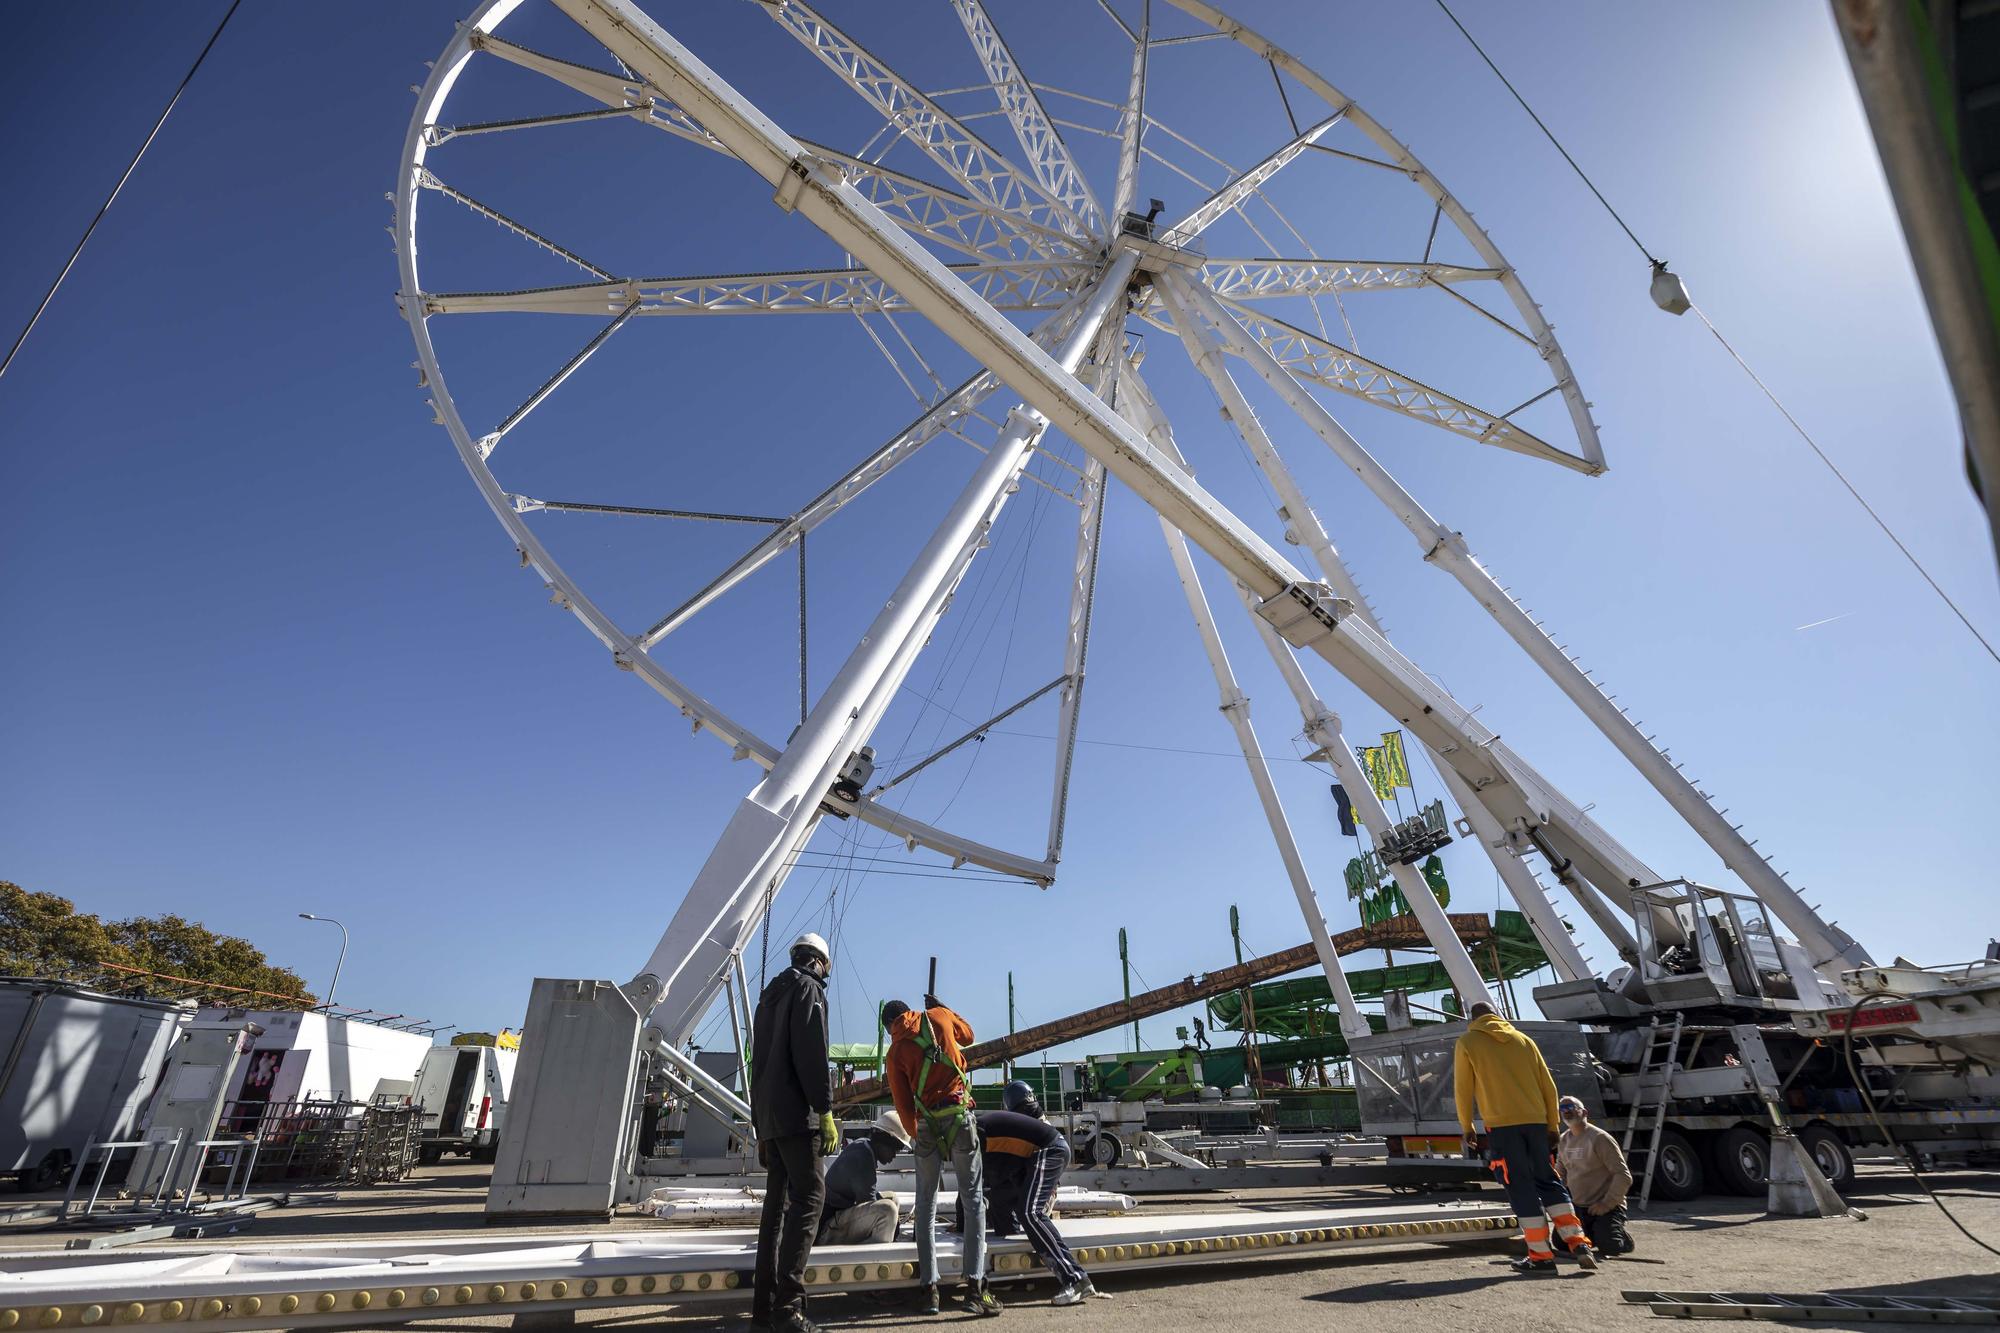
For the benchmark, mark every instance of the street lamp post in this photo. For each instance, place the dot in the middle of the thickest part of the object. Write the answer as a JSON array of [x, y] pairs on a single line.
[[308, 916]]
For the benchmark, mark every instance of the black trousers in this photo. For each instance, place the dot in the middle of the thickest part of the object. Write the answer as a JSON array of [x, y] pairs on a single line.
[[794, 1189], [1607, 1233]]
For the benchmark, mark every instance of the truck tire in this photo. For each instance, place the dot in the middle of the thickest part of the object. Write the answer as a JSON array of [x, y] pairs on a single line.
[[1743, 1161], [1830, 1154], [1105, 1149], [429, 1154], [1677, 1169], [484, 1153]]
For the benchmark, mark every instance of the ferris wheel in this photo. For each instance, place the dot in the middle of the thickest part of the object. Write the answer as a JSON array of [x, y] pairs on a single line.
[[1031, 259]]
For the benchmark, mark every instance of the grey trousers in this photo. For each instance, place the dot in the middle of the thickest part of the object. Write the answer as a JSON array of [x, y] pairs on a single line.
[[965, 1161], [871, 1223]]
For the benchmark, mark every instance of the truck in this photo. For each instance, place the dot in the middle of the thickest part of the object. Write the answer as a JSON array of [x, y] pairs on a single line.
[[1718, 1035], [463, 1092]]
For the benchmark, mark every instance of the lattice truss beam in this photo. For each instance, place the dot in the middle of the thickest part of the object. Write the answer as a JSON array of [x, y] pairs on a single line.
[[1024, 286]]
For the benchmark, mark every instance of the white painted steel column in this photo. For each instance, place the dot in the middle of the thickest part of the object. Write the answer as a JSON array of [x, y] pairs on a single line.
[[1303, 522], [777, 816], [1323, 726], [1236, 707], [1831, 947]]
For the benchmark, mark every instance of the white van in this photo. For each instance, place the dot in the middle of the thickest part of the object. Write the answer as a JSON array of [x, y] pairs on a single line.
[[463, 1093]]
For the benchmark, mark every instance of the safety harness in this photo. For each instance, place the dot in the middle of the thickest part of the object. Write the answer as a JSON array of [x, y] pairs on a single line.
[[945, 1121]]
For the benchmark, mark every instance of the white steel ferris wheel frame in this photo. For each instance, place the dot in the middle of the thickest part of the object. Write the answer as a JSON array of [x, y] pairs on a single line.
[[1040, 240]]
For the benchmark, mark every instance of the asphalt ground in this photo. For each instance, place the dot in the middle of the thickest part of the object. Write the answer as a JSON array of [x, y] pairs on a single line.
[[1905, 1247]]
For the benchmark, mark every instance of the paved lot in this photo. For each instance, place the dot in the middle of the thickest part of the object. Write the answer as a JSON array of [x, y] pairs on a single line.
[[1905, 1246]]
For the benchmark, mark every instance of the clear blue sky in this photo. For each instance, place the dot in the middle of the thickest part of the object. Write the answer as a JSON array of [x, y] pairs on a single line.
[[266, 652]]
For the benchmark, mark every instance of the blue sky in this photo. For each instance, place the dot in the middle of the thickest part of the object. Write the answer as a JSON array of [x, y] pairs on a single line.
[[267, 652]]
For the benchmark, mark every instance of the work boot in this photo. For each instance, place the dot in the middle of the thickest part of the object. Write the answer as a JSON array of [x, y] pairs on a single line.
[[1586, 1258], [976, 1299], [1531, 1266], [795, 1321], [929, 1304]]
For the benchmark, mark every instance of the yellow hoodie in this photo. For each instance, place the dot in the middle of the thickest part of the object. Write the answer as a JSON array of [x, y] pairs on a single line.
[[1502, 1070]]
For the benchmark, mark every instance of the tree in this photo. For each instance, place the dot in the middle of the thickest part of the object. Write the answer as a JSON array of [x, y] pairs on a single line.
[[184, 948], [43, 935]]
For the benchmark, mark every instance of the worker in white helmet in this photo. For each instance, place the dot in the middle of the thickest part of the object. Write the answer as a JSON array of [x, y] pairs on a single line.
[[791, 1103], [857, 1213]]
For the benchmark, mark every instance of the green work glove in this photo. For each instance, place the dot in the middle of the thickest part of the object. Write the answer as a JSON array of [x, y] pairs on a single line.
[[829, 1134]]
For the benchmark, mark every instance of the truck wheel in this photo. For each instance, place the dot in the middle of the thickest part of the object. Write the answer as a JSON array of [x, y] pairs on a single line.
[[1743, 1161], [1830, 1154], [485, 1152], [1677, 1172], [48, 1173], [429, 1154], [1105, 1149]]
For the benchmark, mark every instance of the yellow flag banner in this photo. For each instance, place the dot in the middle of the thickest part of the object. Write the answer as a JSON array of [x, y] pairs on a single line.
[[1375, 763], [1395, 764]]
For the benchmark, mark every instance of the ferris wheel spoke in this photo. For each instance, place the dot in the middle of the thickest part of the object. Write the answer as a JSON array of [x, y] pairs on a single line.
[[488, 442], [1017, 286], [1048, 156], [1244, 184], [1132, 116], [983, 173], [429, 181], [947, 416], [615, 91], [1266, 279], [937, 214], [947, 217], [1315, 360]]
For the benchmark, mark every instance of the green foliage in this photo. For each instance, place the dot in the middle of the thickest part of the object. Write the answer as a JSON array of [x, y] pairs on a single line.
[[43, 935]]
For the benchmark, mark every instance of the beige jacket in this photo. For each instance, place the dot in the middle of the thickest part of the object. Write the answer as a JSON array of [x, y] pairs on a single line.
[[1593, 1167]]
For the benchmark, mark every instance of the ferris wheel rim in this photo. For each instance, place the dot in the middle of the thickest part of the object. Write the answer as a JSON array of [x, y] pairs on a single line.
[[630, 652]]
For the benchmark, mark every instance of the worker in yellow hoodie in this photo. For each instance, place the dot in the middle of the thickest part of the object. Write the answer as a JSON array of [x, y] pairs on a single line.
[[1499, 1070]]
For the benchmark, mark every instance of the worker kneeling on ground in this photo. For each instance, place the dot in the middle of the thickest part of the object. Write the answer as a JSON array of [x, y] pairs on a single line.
[[1025, 1158], [791, 1106], [1594, 1170], [856, 1212], [927, 1080], [1500, 1071]]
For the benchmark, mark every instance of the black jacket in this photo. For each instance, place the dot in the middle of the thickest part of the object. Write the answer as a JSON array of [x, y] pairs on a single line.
[[791, 1083]]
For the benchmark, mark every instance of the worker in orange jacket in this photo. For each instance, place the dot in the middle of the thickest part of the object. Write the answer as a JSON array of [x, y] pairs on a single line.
[[1499, 1070], [927, 1080]]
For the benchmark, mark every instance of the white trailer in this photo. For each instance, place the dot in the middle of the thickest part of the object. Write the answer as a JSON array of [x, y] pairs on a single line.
[[310, 1056], [463, 1092], [79, 1065]]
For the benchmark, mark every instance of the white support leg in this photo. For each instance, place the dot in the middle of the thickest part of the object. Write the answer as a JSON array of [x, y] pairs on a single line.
[[778, 815], [1302, 524], [1076, 647], [1830, 947], [1236, 707]]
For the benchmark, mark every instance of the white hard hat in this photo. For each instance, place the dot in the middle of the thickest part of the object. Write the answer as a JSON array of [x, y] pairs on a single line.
[[815, 943], [889, 1123]]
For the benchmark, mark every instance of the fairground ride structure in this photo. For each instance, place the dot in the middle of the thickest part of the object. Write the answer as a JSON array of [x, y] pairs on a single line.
[[1041, 277]]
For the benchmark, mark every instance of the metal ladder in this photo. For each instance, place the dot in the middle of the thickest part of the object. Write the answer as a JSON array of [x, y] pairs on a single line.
[[1656, 1062]]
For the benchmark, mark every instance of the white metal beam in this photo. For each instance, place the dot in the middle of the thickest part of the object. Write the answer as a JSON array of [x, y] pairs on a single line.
[[1242, 185], [1266, 279], [1302, 524], [1319, 361], [1025, 285], [1132, 121], [964, 156], [1830, 947], [1137, 408], [1047, 154]]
